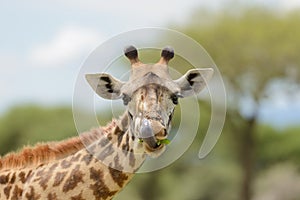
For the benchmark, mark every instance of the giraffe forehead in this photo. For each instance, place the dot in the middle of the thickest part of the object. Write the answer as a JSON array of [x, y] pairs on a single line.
[[151, 93], [150, 75], [151, 100], [141, 71]]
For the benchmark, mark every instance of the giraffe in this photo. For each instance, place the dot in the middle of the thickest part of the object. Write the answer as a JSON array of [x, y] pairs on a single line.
[[100, 162]]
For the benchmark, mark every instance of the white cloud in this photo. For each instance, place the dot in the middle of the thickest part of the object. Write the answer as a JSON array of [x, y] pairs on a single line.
[[67, 45], [289, 5]]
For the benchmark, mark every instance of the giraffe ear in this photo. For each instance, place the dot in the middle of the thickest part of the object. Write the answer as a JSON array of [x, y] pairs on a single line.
[[105, 85], [194, 81]]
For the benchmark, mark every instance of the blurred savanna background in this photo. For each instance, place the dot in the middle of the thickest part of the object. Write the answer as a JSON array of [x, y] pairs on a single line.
[[255, 45]]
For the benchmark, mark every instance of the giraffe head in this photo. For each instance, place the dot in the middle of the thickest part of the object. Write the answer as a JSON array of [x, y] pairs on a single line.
[[150, 96]]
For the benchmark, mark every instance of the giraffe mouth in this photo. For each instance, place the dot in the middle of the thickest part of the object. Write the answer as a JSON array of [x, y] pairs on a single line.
[[151, 141], [152, 144]]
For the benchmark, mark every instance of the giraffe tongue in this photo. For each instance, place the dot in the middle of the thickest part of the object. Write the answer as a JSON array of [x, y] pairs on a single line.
[[147, 134], [151, 142]]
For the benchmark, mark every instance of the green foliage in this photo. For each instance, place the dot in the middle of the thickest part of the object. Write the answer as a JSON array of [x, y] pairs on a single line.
[[275, 146], [251, 47], [28, 125]]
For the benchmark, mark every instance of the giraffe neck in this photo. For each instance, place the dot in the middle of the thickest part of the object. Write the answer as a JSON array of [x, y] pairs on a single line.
[[98, 171], [119, 150]]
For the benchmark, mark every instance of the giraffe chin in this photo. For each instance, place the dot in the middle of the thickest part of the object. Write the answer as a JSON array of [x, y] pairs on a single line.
[[154, 152]]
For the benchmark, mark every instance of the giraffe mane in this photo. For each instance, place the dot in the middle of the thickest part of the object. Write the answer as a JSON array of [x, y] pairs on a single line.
[[43, 153]]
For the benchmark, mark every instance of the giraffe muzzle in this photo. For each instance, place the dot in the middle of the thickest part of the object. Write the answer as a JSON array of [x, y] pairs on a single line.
[[151, 133]]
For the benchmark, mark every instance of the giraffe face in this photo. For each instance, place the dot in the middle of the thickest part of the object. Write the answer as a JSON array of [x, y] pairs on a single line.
[[150, 112], [150, 95]]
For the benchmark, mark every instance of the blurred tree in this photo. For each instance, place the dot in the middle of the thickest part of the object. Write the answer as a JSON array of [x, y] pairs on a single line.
[[277, 146], [27, 125], [254, 49]]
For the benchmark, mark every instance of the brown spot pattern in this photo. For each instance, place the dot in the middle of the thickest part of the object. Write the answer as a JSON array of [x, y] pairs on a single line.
[[117, 131], [45, 179], [100, 190], [125, 146], [120, 138], [77, 197], [65, 164], [125, 149], [76, 158], [132, 137], [53, 166], [52, 196], [13, 178], [22, 177], [131, 158], [17, 193], [4, 179], [40, 172], [29, 175], [124, 124], [87, 158], [117, 163], [7, 190], [106, 152], [31, 195], [109, 136], [59, 178], [118, 176], [43, 176], [76, 176]]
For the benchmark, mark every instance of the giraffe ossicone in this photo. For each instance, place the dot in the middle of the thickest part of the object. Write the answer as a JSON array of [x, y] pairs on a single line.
[[99, 163]]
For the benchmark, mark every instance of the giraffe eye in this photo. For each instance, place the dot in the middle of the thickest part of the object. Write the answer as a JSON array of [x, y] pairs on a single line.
[[174, 99], [126, 99]]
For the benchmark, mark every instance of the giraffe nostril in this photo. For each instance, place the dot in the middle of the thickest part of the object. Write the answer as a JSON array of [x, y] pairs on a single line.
[[162, 134]]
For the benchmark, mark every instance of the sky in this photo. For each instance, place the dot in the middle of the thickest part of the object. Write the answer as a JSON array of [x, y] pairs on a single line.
[[44, 43]]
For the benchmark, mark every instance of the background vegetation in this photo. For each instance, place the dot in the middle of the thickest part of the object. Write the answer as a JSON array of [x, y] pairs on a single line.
[[256, 51]]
